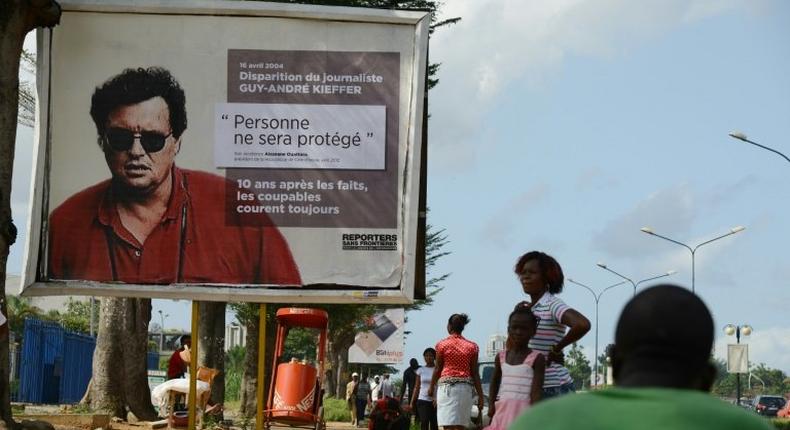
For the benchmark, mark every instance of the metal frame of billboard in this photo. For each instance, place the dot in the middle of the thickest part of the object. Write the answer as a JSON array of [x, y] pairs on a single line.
[[35, 283]]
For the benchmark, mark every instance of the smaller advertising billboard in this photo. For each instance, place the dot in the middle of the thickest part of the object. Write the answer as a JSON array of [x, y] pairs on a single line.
[[383, 343]]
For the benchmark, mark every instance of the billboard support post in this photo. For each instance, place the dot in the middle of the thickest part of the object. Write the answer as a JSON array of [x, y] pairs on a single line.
[[193, 366], [261, 362]]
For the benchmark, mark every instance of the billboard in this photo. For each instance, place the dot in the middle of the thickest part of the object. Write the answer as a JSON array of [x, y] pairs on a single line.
[[231, 151], [383, 343]]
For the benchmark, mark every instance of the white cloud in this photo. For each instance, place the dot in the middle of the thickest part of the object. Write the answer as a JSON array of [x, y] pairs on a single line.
[[501, 225], [670, 211], [498, 42]]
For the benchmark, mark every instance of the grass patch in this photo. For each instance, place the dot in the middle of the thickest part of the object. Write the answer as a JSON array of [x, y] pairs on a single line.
[[336, 410], [781, 423]]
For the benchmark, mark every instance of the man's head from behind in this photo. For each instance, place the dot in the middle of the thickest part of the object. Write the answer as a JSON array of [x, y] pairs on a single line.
[[663, 339], [140, 116]]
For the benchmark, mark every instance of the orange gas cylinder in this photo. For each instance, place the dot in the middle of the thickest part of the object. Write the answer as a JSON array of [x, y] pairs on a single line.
[[294, 391]]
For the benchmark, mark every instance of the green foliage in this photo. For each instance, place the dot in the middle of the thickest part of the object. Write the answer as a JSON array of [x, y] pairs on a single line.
[[20, 308], [764, 380], [781, 423], [301, 344], [234, 368], [336, 410], [578, 365]]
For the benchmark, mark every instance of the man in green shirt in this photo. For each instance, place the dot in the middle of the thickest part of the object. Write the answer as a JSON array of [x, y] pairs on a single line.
[[662, 371]]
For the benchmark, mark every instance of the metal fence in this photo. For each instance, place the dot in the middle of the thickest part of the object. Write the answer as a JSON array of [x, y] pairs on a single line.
[[55, 364]]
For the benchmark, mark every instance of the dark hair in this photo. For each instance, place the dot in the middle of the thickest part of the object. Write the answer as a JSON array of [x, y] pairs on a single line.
[[429, 350], [134, 86], [457, 322], [667, 327], [549, 268], [184, 339], [521, 309]]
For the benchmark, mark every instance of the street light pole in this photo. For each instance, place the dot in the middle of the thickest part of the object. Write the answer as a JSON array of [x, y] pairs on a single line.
[[597, 298], [740, 136], [162, 316], [737, 330], [636, 284], [693, 251]]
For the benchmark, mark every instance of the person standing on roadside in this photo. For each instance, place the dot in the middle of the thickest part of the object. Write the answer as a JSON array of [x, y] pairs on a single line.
[[421, 401], [385, 389], [363, 399], [541, 278], [456, 378], [661, 362], [351, 397], [409, 379]]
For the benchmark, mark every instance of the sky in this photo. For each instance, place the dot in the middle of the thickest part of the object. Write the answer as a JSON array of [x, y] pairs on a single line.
[[566, 126]]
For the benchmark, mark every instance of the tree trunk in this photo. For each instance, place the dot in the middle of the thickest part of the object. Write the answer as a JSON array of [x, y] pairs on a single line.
[[106, 380], [17, 18], [249, 378], [120, 377], [211, 347]]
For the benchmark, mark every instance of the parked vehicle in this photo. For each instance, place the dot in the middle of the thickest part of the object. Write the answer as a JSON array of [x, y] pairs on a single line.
[[768, 405]]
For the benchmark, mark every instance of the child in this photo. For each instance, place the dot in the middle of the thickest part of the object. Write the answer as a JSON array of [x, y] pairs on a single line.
[[518, 373]]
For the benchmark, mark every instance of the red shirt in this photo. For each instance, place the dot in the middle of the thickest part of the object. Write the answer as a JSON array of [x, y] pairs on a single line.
[[458, 354], [176, 367], [196, 236]]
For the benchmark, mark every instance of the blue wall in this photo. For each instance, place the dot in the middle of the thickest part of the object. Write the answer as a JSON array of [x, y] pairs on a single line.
[[56, 364]]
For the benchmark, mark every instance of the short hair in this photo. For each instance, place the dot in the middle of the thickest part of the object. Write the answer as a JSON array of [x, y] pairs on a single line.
[[184, 339], [523, 309], [549, 268], [457, 322], [134, 86], [667, 327], [414, 362], [429, 351]]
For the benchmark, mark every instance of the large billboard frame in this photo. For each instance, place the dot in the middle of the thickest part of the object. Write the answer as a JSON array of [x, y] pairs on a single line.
[[35, 281]]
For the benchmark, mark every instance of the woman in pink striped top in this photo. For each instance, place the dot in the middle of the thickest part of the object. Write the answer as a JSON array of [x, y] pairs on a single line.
[[558, 324]]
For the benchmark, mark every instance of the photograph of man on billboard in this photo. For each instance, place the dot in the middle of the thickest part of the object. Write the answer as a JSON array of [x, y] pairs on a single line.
[[153, 222]]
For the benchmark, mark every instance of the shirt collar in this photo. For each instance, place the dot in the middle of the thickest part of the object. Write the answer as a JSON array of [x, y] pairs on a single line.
[[545, 298]]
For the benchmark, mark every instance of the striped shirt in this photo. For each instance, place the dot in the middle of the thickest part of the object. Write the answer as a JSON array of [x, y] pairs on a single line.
[[550, 309]]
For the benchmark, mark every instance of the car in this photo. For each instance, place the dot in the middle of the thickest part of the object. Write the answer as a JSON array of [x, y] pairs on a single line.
[[768, 405]]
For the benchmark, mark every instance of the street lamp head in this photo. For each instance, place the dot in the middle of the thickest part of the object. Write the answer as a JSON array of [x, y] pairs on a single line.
[[738, 135], [737, 229], [601, 265], [671, 272], [647, 230], [729, 329], [746, 330]]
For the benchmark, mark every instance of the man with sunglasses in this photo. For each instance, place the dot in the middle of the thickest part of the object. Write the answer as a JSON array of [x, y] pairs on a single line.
[[153, 222]]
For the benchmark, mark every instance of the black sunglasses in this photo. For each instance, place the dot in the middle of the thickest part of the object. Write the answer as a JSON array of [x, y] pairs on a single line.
[[120, 139]]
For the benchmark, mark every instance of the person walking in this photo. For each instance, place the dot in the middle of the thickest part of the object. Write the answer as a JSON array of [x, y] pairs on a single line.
[[363, 399], [456, 378], [385, 389], [541, 278], [421, 401], [351, 397], [409, 378]]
